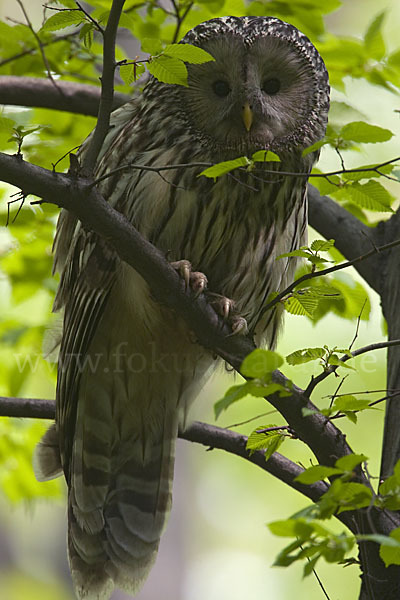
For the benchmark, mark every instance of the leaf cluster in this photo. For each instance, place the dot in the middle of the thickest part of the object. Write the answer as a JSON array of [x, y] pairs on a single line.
[[313, 540]]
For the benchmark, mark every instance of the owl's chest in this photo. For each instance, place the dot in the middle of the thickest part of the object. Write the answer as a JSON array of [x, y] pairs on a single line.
[[231, 230]]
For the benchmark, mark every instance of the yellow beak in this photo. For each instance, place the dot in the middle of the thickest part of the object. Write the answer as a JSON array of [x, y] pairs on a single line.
[[247, 116]]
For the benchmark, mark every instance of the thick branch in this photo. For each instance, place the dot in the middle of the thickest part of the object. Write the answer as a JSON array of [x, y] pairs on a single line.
[[352, 238], [33, 91]]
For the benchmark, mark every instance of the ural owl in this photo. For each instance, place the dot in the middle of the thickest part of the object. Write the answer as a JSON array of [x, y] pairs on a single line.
[[127, 368]]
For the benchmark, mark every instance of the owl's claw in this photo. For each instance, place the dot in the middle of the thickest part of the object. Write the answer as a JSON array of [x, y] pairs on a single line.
[[184, 268], [225, 307], [194, 280], [239, 326], [198, 282]]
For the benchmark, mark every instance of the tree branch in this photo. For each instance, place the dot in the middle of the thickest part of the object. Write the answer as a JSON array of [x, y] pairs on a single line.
[[107, 89], [213, 437], [33, 91], [352, 238]]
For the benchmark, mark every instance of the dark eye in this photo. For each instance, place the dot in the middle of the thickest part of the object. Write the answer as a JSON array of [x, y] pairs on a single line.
[[221, 88], [271, 86]]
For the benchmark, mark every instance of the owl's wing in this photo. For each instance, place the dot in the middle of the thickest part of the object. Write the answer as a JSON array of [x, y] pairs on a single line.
[[88, 268]]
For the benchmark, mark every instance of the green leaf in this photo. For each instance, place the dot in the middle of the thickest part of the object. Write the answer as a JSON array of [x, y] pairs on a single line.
[[233, 394], [7, 124], [260, 363], [371, 195], [322, 245], [315, 146], [368, 174], [291, 528], [323, 292], [301, 303], [353, 496], [86, 34], [317, 473], [129, 73], [225, 167], [358, 131], [348, 402], [305, 355], [350, 461], [168, 70], [151, 45], [390, 552], [269, 441], [64, 19], [373, 39], [265, 156], [254, 388], [301, 253], [188, 53], [335, 361]]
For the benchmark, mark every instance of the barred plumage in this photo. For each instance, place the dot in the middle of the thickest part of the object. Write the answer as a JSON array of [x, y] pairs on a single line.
[[128, 369]]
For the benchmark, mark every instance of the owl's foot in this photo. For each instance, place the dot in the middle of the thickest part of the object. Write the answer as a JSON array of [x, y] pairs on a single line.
[[194, 280], [225, 307]]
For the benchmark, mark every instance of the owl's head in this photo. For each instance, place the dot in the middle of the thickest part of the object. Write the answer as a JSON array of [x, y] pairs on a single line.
[[267, 88]]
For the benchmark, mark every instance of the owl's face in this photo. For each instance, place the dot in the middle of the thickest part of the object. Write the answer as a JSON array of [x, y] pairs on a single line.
[[261, 91]]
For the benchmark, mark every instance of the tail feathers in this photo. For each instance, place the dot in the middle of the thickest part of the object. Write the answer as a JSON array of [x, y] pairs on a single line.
[[46, 458], [117, 544]]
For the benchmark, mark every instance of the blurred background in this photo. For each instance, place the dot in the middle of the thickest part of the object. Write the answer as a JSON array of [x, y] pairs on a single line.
[[217, 545]]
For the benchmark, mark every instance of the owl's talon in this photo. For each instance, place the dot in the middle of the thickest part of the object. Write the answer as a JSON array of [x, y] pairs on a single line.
[[195, 280], [198, 282], [239, 326], [223, 306], [184, 268]]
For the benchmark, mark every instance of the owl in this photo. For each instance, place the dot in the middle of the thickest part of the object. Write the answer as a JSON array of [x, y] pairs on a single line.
[[128, 368]]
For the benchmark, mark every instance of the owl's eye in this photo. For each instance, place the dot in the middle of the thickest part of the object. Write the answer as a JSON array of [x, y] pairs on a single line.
[[271, 86], [221, 88]]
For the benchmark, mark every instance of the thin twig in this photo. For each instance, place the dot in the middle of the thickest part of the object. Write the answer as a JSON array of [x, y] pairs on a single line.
[[359, 317], [149, 168], [179, 18], [327, 271], [276, 428], [337, 389], [321, 585], [90, 18], [332, 369], [39, 41], [247, 421], [243, 169]]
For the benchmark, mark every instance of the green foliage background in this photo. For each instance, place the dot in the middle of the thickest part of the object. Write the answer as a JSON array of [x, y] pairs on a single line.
[[219, 513]]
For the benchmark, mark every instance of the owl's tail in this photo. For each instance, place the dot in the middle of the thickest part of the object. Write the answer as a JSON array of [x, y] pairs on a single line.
[[117, 514]]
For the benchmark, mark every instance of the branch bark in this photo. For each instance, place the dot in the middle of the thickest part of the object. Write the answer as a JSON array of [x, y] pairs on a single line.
[[352, 238], [76, 98], [390, 297]]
